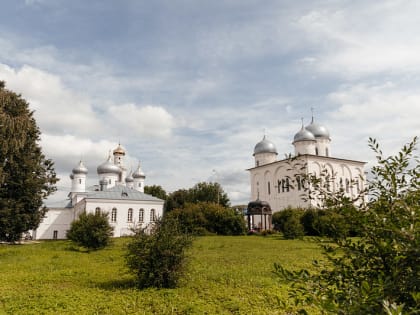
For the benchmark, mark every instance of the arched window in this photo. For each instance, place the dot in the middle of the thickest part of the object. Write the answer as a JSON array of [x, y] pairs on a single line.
[[139, 184], [326, 152], [269, 188], [278, 186], [357, 185], [97, 210], [109, 181], [347, 185], [152, 215], [80, 180], [299, 183], [287, 185], [341, 184], [316, 151], [114, 215], [141, 215], [258, 163], [130, 215]]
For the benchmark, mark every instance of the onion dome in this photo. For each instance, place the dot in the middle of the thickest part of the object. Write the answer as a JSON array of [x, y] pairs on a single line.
[[265, 146], [108, 167], [129, 178], [304, 135], [317, 130], [80, 169], [138, 173], [119, 150]]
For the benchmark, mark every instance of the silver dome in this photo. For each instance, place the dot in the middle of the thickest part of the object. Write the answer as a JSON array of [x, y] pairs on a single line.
[[108, 167], [304, 135], [138, 173], [265, 146], [129, 179], [80, 169], [317, 130]]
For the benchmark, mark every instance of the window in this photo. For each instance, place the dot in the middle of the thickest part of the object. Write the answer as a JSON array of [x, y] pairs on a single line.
[[299, 183], [357, 185], [283, 185], [114, 215], [347, 185], [109, 181], [341, 184], [141, 215], [287, 185], [130, 215], [278, 186], [326, 151], [269, 188], [152, 215], [55, 234], [316, 151], [97, 210], [258, 163], [139, 184], [80, 180]]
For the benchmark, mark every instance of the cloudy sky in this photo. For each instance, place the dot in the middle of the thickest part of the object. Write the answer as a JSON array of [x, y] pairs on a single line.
[[188, 87]]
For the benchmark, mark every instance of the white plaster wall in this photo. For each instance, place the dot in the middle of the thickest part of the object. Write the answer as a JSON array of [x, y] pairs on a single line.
[[274, 172], [55, 220], [265, 158], [121, 225]]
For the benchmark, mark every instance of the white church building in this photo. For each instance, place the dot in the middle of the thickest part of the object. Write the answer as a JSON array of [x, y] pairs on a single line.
[[119, 194], [277, 182]]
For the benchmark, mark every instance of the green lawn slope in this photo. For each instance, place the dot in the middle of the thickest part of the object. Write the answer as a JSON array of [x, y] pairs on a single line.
[[226, 275]]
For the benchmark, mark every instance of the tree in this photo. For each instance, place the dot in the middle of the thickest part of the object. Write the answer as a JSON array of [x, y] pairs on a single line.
[[379, 272], [26, 176], [156, 191], [158, 258], [200, 192], [90, 230]]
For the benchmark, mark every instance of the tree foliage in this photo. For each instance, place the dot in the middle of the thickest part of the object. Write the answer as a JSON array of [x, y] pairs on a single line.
[[206, 217], [158, 259], [379, 272], [200, 192], [26, 176], [156, 191], [91, 230]]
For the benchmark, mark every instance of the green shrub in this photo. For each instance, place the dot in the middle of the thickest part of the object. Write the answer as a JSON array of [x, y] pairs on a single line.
[[288, 221], [209, 218], [378, 272], [158, 259], [91, 230]]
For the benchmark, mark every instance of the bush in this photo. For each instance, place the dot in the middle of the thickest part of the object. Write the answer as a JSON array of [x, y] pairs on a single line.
[[379, 272], [158, 259], [206, 217], [288, 221], [91, 230]]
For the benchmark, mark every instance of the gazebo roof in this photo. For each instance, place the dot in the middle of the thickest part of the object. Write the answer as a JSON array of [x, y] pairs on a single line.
[[259, 207]]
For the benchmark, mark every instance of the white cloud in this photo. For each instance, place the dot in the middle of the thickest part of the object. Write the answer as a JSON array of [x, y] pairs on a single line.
[[147, 120], [360, 40], [57, 109]]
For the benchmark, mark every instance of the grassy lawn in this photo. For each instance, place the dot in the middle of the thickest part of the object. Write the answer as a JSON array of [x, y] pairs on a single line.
[[226, 275]]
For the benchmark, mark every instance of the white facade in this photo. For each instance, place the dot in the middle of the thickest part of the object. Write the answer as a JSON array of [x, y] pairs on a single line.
[[117, 194], [278, 182]]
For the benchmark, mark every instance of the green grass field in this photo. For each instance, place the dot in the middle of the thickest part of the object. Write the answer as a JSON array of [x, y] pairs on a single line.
[[226, 275]]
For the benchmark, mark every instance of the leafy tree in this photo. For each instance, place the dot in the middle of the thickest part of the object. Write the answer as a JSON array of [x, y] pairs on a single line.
[[177, 199], [200, 192], [209, 192], [26, 176], [158, 258], [156, 191], [379, 272], [91, 230]]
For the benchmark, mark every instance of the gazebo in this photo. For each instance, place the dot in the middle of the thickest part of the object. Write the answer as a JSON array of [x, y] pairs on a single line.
[[259, 215]]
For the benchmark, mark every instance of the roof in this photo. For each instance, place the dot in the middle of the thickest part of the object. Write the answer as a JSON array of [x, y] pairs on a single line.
[[121, 193]]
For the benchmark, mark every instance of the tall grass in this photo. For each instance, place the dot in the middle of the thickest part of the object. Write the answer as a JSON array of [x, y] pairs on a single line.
[[226, 275]]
